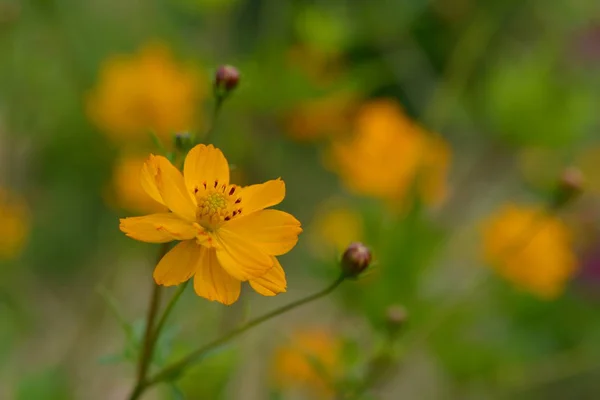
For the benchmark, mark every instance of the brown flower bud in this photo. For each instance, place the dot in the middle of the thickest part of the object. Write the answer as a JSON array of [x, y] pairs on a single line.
[[227, 78], [570, 185], [356, 259], [396, 317]]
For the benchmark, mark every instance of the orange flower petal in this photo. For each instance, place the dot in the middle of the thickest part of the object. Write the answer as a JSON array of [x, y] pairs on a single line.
[[274, 232], [178, 265], [258, 197], [271, 283], [241, 258], [148, 181], [172, 188], [157, 228], [205, 164], [213, 282]]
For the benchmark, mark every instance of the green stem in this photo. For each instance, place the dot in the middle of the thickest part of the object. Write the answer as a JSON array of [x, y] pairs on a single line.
[[167, 312], [219, 100], [148, 344], [176, 367]]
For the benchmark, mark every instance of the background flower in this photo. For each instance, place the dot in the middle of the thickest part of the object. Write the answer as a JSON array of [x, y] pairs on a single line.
[[145, 92], [126, 191], [310, 361], [14, 227], [388, 153], [530, 248]]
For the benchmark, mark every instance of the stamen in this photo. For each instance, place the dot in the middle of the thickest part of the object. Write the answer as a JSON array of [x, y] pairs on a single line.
[[231, 191], [216, 184], [238, 201], [204, 183]]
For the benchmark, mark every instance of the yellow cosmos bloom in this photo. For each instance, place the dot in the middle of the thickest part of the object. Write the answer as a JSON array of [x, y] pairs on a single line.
[[330, 115], [14, 228], [388, 153], [310, 361], [530, 249], [144, 92], [226, 234]]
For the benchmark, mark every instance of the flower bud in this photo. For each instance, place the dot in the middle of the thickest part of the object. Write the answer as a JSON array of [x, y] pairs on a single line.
[[356, 259], [227, 78], [396, 317], [183, 141], [570, 185]]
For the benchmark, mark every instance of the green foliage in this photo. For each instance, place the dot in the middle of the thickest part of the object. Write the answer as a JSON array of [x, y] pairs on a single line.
[[49, 384]]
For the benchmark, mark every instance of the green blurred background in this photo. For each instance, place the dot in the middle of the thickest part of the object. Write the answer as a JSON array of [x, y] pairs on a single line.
[[512, 88]]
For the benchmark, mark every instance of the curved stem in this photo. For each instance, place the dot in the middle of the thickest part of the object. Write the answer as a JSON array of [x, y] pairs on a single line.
[[148, 344], [176, 367], [167, 312]]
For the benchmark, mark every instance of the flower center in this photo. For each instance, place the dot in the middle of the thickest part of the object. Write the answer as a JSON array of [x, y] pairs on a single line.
[[216, 204]]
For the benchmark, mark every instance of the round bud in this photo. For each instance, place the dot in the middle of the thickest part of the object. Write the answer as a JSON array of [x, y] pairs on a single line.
[[396, 317], [227, 78], [356, 259], [570, 185]]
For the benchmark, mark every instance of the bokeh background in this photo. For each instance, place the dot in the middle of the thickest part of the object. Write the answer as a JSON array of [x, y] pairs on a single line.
[[433, 131]]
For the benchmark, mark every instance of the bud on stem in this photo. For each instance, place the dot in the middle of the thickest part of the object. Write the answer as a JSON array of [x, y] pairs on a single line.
[[569, 187], [355, 259], [226, 80]]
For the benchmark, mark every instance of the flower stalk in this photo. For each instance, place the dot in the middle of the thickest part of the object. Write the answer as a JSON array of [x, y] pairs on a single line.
[[177, 367], [149, 336]]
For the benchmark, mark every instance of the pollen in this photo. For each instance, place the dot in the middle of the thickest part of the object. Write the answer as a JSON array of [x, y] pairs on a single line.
[[213, 204]]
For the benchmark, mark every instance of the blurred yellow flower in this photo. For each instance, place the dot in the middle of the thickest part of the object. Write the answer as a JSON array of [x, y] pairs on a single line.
[[128, 191], [388, 153], [334, 229], [226, 234], [310, 361], [14, 228], [145, 92], [530, 248], [329, 115]]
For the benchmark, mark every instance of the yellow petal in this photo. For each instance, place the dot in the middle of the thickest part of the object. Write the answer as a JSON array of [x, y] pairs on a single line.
[[240, 257], [172, 188], [213, 282], [205, 164], [271, 283], [157, 228], [178, 265], [274, 232], [149, 182], [257, 197]]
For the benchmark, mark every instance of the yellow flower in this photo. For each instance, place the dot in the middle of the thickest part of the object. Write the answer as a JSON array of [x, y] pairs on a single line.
[[142, 93], [330, 115], [334, 229], [389, 153], [226, 234], [14, 228], [127, 187], [312, 361], [530, 248]]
